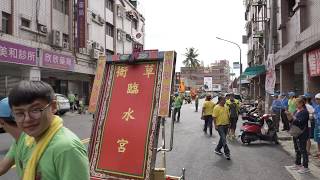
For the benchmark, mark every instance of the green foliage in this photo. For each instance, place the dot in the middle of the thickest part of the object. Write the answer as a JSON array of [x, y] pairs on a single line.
[[191, 60]]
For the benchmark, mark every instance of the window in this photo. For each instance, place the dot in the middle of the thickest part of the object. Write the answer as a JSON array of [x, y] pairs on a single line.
[[65, 38], [109, 30], [5, 23], [25, 23], [135, 24], [109, 5], [62, 6]]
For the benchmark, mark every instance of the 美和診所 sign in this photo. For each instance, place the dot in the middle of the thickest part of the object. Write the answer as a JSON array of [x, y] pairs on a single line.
[[16, 53]]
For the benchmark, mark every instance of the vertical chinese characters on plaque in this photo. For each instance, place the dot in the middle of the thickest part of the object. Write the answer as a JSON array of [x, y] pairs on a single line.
[[128, 115], [167, 73], [149, 70], [97, 84], [125, 133], [122, 143]]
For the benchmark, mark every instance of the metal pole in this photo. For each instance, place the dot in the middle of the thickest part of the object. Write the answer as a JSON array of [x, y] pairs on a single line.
[[239, 59]]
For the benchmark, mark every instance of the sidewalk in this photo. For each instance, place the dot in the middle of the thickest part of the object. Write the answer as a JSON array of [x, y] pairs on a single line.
[[314, 164]]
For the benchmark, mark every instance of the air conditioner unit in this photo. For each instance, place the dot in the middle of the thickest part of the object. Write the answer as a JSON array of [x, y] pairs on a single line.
[[95, 45], [120, 35], [100, 19], [83, 51], [94, 53], [66, 45], [43, 28], [56, 38]]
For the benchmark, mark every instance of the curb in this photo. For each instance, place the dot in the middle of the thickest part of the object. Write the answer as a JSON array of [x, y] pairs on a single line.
[[314, 166]]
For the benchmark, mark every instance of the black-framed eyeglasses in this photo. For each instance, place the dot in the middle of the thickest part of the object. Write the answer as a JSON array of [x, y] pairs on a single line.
[[35, 113]]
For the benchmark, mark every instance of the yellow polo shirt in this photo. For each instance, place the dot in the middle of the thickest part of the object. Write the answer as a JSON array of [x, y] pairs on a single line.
[[208, 108], [221, 115]]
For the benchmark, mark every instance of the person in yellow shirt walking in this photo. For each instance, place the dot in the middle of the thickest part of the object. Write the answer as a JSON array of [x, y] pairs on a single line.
[[221, 123], [206, 115], [234, 109]]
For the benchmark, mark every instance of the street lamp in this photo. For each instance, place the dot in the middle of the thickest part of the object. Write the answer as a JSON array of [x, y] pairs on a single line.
[[240, 60]]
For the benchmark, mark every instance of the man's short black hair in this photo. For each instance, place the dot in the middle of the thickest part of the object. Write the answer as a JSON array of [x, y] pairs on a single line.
[[27, 92]]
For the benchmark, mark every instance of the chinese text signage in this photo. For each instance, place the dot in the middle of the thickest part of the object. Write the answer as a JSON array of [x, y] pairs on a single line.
[[270, 74], [314, 62], [57, 61], [81, 23], [168, 67], [124, 142], [15, 53], [97, 84]]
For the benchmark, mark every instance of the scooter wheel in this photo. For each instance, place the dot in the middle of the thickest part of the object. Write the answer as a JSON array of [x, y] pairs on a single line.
[[245, 139]]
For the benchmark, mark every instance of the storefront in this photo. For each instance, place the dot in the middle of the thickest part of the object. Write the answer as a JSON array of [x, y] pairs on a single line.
[[59, 69], [256, 76], [313, 77], [17, 62]]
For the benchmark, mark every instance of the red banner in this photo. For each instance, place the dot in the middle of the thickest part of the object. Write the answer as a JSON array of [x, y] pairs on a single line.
[[123, 140], [314, 62]]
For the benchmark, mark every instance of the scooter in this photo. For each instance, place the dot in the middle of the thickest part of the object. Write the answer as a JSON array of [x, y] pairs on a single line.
[[252, 131], [250, 115]]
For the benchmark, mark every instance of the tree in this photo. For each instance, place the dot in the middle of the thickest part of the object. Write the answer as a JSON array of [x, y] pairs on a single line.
[[191, 60]]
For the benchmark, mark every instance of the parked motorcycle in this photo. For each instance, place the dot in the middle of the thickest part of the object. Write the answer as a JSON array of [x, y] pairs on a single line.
[[250, 115], [264, 129]]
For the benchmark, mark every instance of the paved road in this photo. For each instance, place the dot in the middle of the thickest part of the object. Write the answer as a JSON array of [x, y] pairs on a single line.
[[193, 150]]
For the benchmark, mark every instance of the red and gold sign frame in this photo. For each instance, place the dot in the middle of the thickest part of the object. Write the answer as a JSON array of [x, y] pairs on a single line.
[[124, 129]]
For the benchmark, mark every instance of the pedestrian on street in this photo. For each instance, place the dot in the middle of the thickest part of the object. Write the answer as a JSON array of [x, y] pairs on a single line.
[[307, 98], [276, 109], [177, 107], [284, 108], [72, 99], [49, 150], [292, 105], [76, 101], [300, 118], [260, 107], [234, 109], [317, 124], [196, 102], [221, 123], [206, 114], [9, 125]]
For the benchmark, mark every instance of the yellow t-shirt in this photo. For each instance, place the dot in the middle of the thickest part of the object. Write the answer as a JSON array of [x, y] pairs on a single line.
[[221, 115], [208, 108]]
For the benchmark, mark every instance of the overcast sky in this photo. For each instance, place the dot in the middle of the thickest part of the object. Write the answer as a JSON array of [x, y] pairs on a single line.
[[180, 24]]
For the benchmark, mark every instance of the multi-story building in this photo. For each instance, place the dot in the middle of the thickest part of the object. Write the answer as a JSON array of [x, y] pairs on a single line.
[[257, 31], [297, 46], [124, 27], [219, 71], [292, 36], [59, 41]]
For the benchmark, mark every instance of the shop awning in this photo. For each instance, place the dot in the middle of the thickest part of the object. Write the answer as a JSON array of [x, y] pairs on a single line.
[[254, 70]]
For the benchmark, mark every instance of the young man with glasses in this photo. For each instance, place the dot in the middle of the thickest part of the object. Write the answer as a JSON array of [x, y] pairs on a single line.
[[50, 150]]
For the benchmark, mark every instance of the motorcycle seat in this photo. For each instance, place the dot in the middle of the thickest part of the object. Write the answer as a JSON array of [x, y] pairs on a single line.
[[251, 123]]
